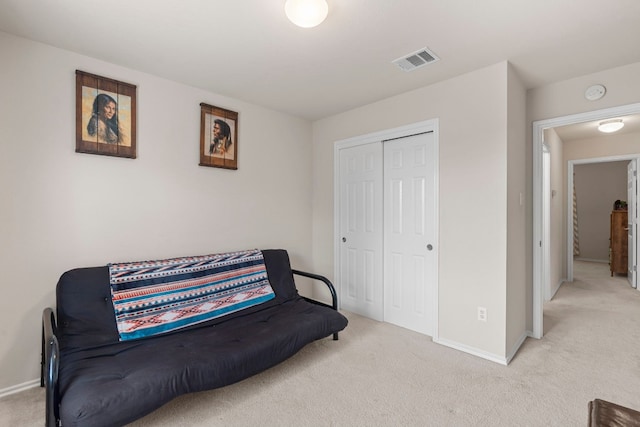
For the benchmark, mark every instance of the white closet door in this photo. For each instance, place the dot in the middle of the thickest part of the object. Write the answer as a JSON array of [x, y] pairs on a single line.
[[360, 188], [409, 232]]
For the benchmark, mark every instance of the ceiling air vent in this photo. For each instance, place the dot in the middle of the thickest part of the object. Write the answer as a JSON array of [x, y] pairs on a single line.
[[416, 60]]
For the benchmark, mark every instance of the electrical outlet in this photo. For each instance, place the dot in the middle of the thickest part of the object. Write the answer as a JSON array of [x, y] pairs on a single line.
[[482, 314]]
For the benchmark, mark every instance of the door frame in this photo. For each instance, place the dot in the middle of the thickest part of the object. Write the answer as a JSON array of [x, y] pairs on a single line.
[[632, 202], [539, 127], [377, 137], [546, 222]]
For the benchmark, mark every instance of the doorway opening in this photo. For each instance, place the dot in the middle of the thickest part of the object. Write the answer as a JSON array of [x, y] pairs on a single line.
[[540, 242], [622, 192]]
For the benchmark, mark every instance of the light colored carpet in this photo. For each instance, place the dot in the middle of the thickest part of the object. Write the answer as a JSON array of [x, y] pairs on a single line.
[[378, 374]]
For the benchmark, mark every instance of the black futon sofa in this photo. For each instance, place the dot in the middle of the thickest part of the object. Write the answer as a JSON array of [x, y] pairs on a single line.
[[93, 378]]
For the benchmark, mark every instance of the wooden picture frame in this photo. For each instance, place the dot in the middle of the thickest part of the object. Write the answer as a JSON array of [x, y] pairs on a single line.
[[105, 116], [218, 137]]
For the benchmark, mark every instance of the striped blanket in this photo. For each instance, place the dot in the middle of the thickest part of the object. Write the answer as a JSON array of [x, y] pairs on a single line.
[[153, 297]]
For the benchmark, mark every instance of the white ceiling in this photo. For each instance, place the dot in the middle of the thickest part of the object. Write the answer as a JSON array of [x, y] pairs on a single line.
[[589, 130], [246, 49]]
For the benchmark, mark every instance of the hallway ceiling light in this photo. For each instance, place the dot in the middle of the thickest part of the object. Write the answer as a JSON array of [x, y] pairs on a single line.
[[306, 13], [609, 126]]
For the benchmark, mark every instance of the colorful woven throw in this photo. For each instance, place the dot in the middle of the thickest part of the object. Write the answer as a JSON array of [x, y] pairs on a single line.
[[153, 297]]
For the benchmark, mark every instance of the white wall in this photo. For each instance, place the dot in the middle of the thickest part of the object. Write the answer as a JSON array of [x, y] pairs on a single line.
[[567, 97], [516, 320], [558, 217], [603, 146], [472, 113], [62, 210]]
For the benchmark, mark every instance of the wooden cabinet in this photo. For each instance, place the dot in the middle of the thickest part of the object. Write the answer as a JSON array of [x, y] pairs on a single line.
[[618, 252]]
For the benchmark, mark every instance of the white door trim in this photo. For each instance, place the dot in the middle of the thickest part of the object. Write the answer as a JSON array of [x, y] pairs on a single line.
[[546, 222], [538, 137], [399, 132], [632, 202]]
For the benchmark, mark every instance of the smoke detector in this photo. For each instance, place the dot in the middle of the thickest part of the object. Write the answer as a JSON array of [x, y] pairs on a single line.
[[417, 59]]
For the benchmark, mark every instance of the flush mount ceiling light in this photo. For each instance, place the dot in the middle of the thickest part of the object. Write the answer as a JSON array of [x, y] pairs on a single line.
[[306, 13], [609, 126]]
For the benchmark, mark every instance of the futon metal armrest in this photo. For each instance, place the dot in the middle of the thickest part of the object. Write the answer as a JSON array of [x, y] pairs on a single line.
[[49, 366], [332, 289]]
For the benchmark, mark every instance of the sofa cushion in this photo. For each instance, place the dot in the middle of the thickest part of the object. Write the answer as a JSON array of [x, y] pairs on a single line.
[[117, 383], [85, 312]]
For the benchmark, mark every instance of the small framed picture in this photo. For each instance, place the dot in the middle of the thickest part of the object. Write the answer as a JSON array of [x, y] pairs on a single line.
[[218, 137], [105, 116]]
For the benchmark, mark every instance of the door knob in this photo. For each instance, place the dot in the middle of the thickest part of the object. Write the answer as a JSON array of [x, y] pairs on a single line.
[[344, 239], [429, 247]]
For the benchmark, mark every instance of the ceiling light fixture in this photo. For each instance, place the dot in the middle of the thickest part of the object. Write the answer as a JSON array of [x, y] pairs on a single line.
[[609, 126], [306, 13]]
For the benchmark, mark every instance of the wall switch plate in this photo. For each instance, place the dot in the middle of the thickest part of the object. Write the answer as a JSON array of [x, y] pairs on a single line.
[[482, 314]]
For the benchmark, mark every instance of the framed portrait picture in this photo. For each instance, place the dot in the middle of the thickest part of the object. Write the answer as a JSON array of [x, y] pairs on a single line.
[[218, 137], [105, 116]]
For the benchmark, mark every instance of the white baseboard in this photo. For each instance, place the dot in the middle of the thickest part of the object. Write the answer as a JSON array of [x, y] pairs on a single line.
[[603, 261], [555, 289], [516, 347], [19, 387], [473, 351]]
